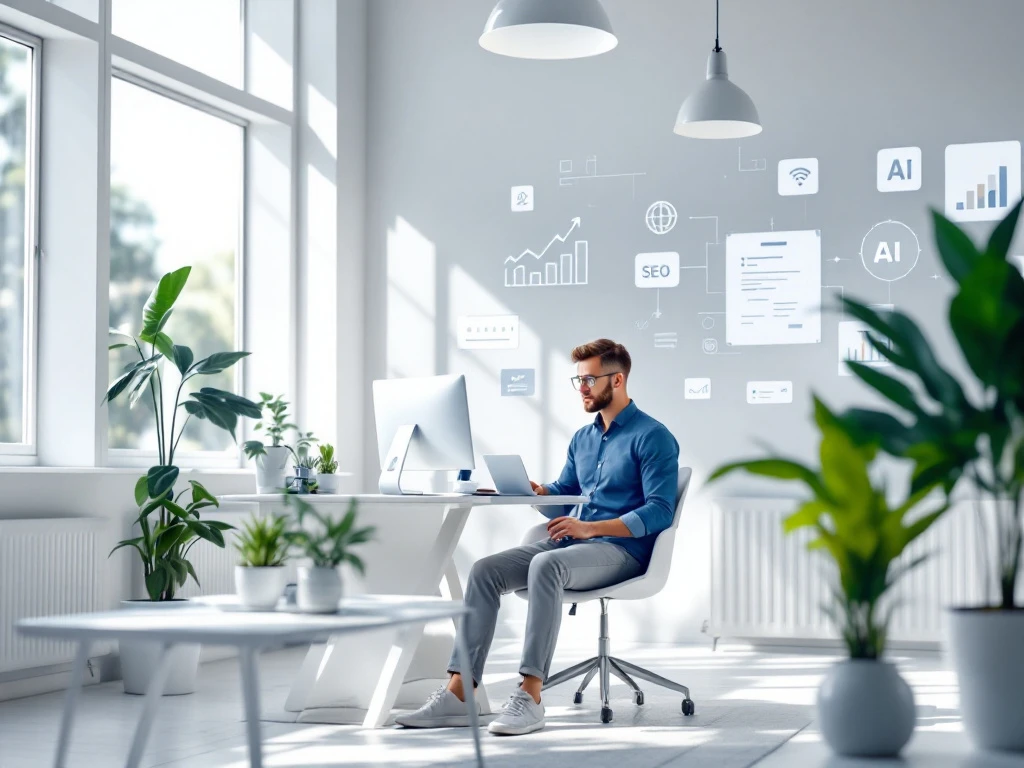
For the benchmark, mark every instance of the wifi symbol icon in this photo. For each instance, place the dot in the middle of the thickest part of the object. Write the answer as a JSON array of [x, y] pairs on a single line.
[[798, 176]]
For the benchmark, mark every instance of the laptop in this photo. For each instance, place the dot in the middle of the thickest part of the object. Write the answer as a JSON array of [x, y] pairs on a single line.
[[509, 475]]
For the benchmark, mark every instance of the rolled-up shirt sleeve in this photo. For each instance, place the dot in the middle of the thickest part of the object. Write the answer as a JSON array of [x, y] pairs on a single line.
[[659, 475]]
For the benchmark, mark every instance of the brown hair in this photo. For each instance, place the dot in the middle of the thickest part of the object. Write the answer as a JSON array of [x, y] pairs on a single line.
[[610, 352]]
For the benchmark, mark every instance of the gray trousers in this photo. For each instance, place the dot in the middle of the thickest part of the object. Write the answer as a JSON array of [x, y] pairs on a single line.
[[547, 569]]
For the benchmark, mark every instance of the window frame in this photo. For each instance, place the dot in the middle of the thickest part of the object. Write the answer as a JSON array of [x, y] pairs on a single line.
[[232, 457], [26, 450]]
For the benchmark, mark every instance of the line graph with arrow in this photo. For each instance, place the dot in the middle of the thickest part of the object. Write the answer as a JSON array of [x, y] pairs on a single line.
[[568, 265]]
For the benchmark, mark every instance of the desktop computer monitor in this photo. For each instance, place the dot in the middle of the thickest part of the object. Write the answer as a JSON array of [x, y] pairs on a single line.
[[422, 424]]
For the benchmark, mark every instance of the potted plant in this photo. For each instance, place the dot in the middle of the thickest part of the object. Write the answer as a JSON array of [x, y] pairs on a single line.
[[304, 469], [270, 459], [967, 433], [327, 543], [170, 528], [864, 707], [262, 550], [326, 466]]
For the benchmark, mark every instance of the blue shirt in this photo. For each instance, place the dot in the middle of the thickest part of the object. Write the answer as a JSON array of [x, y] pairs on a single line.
[[630, 472]]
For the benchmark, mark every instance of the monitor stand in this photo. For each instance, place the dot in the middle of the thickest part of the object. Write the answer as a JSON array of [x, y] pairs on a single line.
[[390, 482]]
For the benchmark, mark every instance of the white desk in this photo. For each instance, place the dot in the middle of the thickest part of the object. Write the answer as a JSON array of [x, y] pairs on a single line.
[[345, 681], [248, 631]]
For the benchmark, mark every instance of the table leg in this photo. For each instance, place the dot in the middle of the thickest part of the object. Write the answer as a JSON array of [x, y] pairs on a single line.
[[251, 696], [466, 666], [392, 676], [149, 705], [70, 701]]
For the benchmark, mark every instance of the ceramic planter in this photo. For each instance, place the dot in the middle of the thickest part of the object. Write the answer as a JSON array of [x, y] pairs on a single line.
[[270, 469], [259, 588], [327, 483], [139, 659], [319, 589], [865, 709], [987, 646]]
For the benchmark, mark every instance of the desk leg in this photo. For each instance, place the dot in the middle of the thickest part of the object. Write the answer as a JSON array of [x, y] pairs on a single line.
[[149, 705], [392, 676], [467, 674], [306, 677], [251, 696], [70, 701]]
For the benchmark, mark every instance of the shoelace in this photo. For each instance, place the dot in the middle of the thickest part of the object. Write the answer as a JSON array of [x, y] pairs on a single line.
[[516, 705], [436, 695]]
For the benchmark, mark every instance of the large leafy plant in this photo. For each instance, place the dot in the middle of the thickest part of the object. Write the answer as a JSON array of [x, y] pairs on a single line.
[[951, 435], [327, 541], [170, 530], [854, 524]]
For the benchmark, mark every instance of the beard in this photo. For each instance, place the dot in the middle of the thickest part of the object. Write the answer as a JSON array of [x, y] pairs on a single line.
[[599, 401]]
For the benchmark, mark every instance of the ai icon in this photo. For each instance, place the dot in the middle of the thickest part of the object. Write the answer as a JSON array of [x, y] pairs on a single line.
[[899, 169]]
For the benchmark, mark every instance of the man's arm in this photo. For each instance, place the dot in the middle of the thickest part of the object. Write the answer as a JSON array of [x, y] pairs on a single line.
[[567, 484], [659, 474]]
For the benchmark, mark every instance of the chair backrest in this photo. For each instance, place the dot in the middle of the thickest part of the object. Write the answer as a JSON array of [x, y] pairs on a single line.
[[661, 558]]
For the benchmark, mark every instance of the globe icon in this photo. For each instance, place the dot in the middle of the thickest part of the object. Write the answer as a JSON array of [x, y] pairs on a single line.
[[661, 217]]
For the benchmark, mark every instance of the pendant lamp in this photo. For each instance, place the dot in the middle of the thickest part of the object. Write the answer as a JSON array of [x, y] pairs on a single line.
[[718, 109], [548, 29]]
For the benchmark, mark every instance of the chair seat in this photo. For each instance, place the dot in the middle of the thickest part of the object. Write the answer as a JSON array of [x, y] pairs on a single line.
[[637, 588]]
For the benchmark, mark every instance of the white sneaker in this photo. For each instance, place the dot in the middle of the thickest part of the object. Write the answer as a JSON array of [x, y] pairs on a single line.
[[520, 715], [443, 709]]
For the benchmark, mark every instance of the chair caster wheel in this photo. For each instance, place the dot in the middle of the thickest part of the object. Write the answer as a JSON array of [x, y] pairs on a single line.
[[606, 714], [638, 698], [687, 707], [578, 698]]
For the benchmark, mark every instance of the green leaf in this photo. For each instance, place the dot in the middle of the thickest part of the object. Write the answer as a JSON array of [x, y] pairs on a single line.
[[141, 490], [241, 406], [161, 301], [141, 383], [176, 509], [211, 408], [129, 543], [199, 493], [956, 250], [118, 345], [780, 469], [807, 514], [887, 386], [164, 345], [182, 357], [218, 362], [161, 479], [192, 573], [157, 582], [203, 531], [1002, 236], [180, 571], [168, 538], [254, 448], [122, 382]]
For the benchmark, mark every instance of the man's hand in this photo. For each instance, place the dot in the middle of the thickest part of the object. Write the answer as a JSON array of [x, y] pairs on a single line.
[[571, 527], [539, 489]]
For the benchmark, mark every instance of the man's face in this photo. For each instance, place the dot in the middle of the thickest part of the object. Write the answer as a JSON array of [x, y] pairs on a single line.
[[600, 395]]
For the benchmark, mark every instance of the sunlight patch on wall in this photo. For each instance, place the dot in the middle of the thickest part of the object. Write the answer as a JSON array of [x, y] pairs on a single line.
[[411, 302]]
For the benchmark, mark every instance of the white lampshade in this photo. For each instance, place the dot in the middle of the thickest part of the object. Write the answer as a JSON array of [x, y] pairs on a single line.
[[718, 109], [548, 29]]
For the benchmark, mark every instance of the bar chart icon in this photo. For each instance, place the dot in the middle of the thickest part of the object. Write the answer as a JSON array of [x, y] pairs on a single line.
[[565, 269], [854, 345], [982, 180]]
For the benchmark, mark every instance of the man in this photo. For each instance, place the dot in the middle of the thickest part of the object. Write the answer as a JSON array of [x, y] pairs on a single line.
[[627, 463]]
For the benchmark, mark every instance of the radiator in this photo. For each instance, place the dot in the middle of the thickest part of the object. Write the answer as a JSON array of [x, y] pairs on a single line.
[[47, 567], [765, 584]]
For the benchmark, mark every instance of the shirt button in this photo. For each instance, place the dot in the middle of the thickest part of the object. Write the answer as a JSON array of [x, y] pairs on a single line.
[[604, 438]]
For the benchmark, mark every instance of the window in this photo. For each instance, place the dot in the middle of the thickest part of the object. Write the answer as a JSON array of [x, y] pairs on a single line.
[[175, 200], [205, 35], [18, 164]]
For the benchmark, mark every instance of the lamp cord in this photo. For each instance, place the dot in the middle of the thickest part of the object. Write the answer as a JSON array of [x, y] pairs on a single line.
[[717, 46]]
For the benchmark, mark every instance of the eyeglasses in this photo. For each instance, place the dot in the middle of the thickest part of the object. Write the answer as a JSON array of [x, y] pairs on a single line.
[[590, 381]]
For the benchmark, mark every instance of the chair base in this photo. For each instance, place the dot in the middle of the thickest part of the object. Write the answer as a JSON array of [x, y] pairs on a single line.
[[606, 665]]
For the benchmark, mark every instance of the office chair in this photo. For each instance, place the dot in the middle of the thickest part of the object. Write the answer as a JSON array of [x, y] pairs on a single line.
[[638, 588]]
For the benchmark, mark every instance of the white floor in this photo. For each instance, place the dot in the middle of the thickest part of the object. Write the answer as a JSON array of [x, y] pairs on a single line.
[[752, 708]]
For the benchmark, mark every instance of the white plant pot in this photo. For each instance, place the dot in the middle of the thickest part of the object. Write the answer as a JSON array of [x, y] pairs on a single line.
[[270, 469], [319, 589], [328, 483], [865, 709], [259, 588], [139, 659], [988, 654]]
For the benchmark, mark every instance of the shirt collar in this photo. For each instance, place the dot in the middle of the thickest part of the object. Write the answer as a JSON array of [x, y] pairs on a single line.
[[625, 416]]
